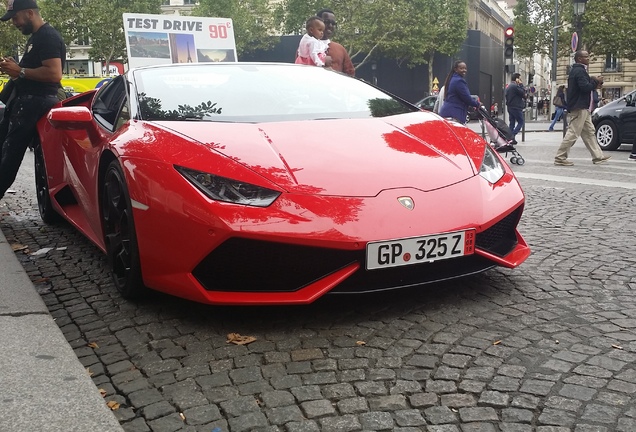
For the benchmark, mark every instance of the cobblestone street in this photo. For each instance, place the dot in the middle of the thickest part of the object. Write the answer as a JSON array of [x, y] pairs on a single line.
[[549, 346]]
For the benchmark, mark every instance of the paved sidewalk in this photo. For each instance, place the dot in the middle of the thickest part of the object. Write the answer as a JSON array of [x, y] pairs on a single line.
[[44, 387]]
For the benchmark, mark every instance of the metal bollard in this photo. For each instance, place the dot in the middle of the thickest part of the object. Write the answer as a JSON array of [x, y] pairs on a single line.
[[523, 128]]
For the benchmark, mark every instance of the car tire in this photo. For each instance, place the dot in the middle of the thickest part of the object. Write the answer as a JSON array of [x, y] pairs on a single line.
[[607, 135], [120, 237], [45, 206]]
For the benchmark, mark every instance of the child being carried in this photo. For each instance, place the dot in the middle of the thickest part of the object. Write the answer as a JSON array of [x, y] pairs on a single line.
[[312, 50]]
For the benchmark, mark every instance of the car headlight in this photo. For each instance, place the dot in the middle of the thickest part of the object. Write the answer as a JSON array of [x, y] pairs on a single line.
[[491, 169], [228, 190]]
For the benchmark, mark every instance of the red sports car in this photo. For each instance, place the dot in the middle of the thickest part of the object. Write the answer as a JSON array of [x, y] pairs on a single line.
[[240, 183]]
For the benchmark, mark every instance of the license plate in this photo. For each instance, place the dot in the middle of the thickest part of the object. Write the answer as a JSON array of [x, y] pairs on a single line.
[[416, 250]]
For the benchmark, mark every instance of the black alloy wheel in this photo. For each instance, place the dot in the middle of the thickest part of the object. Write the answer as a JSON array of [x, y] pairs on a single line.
[[45, 207], [119, 234]]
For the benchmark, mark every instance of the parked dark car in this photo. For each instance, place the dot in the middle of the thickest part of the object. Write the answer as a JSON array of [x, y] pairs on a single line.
[[615, 122], [428, 102]]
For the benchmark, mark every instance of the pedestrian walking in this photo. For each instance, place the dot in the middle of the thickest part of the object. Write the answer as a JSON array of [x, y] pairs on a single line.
[[457, 96], [632, 155], [35, 82], [312, 49], [515, 103], [580, 106], [340, 60], [559, 103]]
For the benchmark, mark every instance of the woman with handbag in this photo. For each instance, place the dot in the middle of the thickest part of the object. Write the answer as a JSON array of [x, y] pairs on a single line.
[[559, 103]]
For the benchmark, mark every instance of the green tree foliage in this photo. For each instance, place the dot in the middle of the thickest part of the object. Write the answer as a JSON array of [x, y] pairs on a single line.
[[292, 14], [11, 40], [98, 21], [410, 31], [253, 20], [533, 24], [104, 23], [64, 15], [426, 27], [608, 28]]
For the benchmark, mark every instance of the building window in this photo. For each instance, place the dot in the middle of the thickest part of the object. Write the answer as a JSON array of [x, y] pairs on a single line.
[[189, 2], [611, 63], [165, 2], [611, 93], [82, 37]]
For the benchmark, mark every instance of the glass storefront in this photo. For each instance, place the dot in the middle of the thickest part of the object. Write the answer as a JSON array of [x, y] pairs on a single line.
[[77, 67], [611, 93]]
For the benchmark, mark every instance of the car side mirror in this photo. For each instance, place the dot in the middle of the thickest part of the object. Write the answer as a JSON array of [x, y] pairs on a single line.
[[70, 118]]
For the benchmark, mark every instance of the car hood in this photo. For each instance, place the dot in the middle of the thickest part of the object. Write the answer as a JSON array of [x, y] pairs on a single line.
[[610, 107], [352, 157]]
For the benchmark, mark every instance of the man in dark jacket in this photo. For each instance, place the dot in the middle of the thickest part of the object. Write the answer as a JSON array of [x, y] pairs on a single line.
[[515, 103], [580, 107]]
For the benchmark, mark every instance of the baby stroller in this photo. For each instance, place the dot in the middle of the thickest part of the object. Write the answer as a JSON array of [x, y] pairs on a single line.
[[500, 136]]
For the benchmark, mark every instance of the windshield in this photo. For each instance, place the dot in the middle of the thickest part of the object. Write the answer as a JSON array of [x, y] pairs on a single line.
[[238, 92]]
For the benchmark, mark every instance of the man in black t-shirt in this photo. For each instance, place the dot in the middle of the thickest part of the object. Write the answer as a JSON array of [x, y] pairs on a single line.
[[35, 81]]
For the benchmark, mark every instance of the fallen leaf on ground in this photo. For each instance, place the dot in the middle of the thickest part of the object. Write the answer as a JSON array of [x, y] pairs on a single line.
[[89, 372], [93, 345], [113, 405], [497, 342], [102, 392], [18, 247], [361, 343], [182, 416], [237, 339]]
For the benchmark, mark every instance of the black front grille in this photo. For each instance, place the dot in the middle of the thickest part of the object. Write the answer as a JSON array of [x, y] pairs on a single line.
[[412, 275], [500, 239], [241, 265]]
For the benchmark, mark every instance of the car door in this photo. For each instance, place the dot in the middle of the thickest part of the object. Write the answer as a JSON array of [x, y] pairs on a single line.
[[428, 103], [83, 152], [627, 119]]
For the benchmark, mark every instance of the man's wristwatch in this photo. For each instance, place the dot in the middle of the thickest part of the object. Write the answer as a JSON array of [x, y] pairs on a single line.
[[22, 73]]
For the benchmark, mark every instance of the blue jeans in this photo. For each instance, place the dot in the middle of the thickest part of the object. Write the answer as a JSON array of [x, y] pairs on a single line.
[[557, 116], [516, 117]]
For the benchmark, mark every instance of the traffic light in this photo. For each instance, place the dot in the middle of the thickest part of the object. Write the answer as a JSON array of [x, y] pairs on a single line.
[[509, 39]]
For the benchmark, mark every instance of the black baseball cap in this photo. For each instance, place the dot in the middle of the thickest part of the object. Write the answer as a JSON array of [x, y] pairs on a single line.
[[18, 5]]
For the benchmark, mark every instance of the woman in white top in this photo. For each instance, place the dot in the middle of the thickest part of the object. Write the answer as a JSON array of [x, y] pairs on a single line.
[[440, 100]]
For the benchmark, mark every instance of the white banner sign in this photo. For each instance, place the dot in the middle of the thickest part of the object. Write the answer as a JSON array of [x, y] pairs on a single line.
[[161, 39]]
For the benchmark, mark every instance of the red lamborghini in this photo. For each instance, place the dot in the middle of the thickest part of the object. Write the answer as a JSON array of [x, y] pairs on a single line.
[[239, 183]]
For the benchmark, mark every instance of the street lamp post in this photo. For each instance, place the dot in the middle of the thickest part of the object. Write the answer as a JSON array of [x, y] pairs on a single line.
[[555, 36], [579, 9]]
